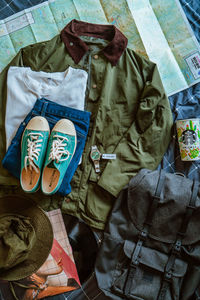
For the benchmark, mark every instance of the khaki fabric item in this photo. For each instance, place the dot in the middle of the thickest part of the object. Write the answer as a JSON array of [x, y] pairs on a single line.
[[17, 238], [26, 237], [130, 117]]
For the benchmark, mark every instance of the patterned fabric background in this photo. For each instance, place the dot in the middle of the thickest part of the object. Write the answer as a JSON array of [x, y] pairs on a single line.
[[185, 105], [10, 7]]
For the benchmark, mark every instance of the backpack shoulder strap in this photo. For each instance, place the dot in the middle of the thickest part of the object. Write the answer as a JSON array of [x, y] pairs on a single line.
[[144, 233], [178, 243]]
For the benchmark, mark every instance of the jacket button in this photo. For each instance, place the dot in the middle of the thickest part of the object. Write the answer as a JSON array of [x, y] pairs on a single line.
[[94, 86], [96, 56], [67, 199]]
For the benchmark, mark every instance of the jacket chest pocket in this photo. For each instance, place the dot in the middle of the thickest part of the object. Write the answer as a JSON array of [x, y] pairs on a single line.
[[143, 281]]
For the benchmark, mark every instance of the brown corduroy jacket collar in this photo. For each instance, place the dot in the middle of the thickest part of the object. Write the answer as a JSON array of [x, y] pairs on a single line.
[[77, 48]]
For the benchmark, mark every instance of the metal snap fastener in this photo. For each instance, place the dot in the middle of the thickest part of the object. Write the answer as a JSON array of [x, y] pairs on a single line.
[[94, 86], [96, 56], [71, 44]]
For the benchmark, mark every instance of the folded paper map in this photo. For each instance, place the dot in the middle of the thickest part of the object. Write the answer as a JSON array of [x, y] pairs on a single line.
[[156, 29]]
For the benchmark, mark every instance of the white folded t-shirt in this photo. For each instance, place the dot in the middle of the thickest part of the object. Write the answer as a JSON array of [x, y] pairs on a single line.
[[25, 86]]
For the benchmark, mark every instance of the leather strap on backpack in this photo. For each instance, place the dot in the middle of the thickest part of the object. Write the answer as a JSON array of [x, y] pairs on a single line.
[[143, 234], [176, 249]]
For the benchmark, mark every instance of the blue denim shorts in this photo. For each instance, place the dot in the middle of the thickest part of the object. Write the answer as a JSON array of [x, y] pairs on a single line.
[[53, 112]]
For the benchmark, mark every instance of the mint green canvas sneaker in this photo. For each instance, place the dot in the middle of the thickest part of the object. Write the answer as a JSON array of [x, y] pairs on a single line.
[[60, 150], [33, 149]]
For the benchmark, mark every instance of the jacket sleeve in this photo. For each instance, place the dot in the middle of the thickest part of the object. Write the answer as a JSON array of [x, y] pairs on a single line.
[[17, 61], [147, 139]]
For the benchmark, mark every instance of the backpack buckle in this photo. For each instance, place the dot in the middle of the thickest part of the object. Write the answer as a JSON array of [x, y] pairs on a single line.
[[177, 247], [168, 276], [134, 263], [143, 235]]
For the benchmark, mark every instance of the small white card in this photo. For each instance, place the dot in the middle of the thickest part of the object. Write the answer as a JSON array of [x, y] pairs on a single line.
[[108, 156]]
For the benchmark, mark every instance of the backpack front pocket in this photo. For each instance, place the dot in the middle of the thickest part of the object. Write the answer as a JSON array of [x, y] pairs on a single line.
[[146, 278]]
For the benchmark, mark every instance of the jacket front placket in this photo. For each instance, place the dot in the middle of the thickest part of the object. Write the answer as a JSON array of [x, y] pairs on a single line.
[[95, 64]]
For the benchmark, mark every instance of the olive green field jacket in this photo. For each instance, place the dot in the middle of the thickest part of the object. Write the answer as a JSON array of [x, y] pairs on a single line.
[[130, 115]]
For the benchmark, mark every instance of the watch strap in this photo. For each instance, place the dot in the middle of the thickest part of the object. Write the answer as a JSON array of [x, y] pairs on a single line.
[[96, 161], [96, 166]]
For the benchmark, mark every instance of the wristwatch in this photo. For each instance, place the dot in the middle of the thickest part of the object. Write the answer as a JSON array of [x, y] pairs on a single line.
[[95, 156]]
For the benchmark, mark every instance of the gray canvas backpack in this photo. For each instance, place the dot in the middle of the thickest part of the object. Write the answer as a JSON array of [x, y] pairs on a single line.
[[151, 245]]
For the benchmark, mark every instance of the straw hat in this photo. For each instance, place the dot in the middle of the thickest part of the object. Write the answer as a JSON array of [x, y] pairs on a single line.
[[26, 237]]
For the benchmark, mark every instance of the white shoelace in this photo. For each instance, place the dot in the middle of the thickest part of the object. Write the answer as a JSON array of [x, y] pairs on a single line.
[[58, 149], [33, 150]]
